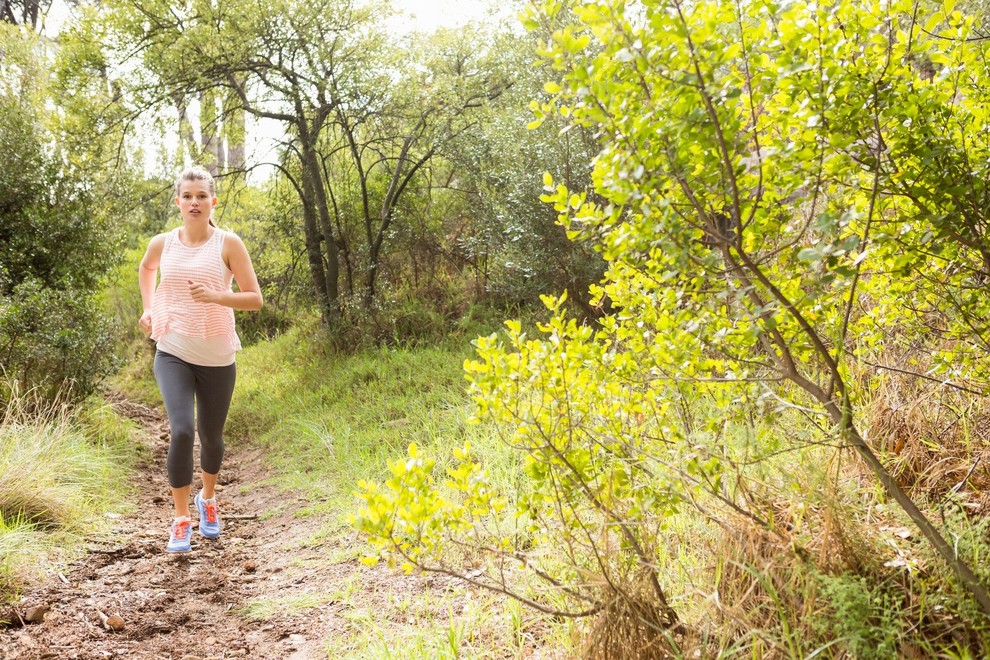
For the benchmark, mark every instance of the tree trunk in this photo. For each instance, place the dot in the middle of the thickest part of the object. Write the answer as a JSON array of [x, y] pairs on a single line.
[[187, 137], [834, 400], [31, 10], [209, 132], [235, 132], [962, 570], [313, 253], [7, 12], [316, 217], [343, 249], [332, 252]]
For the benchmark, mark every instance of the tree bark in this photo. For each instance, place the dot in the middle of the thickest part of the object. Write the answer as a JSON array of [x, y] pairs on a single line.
[[962, 570], [187, 137], [234, 131], [323, 262], [314, 254], [209, 132]]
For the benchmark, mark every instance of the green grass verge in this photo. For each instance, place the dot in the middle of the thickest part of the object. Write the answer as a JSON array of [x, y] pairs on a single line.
[[60, 474], [330, 420]]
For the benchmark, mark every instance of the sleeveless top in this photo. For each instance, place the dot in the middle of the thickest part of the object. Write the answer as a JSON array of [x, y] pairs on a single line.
[[204, 332]]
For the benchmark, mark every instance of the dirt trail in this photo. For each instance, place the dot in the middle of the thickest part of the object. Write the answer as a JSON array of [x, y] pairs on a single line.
[[193, 605]]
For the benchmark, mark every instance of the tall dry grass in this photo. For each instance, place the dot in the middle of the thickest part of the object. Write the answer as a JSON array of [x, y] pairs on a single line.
[[61, 470], [839, 572]]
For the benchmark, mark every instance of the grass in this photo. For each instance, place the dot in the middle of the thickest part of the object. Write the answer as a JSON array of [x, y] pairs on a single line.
[[817, 582], [423, 626], [60, 473], [263, 608], [332, 420]]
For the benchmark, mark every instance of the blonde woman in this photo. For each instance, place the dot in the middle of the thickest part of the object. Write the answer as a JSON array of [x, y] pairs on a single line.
[[189, 313]]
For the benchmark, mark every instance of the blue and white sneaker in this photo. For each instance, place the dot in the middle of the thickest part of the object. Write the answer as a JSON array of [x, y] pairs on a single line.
[[180, 539], [209, 516]]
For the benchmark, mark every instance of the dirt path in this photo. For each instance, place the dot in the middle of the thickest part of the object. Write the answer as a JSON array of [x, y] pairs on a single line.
[[225, 599]]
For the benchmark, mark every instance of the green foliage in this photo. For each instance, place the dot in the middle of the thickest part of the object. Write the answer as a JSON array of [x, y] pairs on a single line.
[[779, 203], [510, 239], [53, 342], [57, 240], [263, 218], [863, 617], [52, 228]]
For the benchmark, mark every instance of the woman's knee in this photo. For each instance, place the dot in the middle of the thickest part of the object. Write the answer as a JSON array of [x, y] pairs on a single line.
[[181, 436]]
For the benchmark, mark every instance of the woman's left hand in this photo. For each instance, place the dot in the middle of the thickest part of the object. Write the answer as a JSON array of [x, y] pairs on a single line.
[[201, 294]]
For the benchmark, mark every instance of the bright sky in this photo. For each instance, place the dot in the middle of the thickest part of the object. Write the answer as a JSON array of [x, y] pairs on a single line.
[[413, 16], [416, 15], [425, 15]]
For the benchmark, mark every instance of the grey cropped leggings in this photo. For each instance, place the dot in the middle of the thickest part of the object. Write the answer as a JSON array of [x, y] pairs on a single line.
[[211, 388]]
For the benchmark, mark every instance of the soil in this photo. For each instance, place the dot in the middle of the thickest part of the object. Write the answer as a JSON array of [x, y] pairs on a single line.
[[131, 599]]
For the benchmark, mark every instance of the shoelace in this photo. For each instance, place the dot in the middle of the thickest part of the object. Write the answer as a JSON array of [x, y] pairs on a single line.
[[211, 511], [180, 529]]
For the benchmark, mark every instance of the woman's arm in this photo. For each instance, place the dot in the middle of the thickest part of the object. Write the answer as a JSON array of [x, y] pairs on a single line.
[[249, 297], [147, 276]]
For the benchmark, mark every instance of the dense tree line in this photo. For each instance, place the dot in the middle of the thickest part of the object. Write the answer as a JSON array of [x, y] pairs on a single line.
[[373, 128], [57, 235], [405, 183]]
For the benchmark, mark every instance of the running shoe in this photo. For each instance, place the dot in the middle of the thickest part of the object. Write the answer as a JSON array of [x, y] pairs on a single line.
[[180, 540], [209, 516]]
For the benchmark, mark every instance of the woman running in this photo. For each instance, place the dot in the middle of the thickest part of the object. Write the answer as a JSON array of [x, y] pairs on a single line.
[[190, 314]]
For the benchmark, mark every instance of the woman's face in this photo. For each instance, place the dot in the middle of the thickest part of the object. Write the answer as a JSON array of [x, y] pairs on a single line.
[[195, 201]]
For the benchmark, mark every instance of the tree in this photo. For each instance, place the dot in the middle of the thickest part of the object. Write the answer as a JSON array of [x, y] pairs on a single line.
[[57, 240], [344, 94], [785, 195], [23, 12], [508, 235]]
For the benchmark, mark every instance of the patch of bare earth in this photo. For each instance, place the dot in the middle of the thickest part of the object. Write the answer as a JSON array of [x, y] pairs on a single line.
[[265, 589]]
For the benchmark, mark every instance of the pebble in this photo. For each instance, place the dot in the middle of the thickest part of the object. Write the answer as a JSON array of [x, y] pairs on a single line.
[[25, 640], [116, 622], [36, 614]]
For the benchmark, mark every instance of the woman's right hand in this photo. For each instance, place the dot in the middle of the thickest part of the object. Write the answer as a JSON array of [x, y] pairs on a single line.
[[145, 322]]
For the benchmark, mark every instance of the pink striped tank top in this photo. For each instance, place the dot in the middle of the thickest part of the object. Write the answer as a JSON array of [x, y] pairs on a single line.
[[173, 310]]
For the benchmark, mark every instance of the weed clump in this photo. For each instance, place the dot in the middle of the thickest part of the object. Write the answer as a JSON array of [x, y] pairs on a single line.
[[630, 626], [54, 474]]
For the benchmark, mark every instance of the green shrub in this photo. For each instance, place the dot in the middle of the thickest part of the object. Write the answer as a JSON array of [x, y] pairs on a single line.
[[55, 343], [861, 617]]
